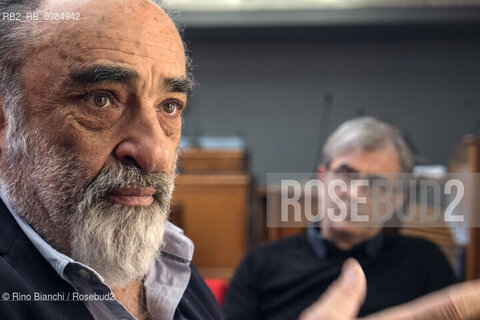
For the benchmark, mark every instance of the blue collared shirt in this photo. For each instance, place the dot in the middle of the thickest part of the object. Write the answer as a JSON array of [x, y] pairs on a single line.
[[164, 284], [324, 248]]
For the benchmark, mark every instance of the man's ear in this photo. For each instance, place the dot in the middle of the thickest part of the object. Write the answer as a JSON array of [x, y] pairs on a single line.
[[321, 169]]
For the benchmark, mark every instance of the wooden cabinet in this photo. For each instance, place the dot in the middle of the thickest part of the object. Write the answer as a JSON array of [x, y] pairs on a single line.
[[212, 210], [200, 161]]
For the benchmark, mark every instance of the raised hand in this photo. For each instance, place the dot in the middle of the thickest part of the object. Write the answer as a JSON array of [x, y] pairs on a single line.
[[343, 298], [461, 301]]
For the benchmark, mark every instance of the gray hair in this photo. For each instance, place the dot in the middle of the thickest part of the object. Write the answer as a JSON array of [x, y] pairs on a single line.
[[369, 134], [14, 36]]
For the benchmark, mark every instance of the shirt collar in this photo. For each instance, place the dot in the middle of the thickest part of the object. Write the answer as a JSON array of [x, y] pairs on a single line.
[[175, 244], [320, 246]]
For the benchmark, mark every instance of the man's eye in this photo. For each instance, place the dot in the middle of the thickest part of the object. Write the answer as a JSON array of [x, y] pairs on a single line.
[[101, 100], [171, 107]]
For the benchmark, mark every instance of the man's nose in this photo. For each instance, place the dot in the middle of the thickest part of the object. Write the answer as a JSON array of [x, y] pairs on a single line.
[[146, 144]]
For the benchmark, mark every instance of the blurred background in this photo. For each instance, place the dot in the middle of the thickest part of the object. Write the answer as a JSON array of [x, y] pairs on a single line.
[[282, 75], [275, 78]]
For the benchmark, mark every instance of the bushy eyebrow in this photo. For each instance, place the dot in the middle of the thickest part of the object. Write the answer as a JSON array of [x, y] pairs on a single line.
[[180, 85], [345, 168], [99, 73]]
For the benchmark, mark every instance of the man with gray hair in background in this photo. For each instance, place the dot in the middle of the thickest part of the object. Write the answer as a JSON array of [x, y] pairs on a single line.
[[280, 280]]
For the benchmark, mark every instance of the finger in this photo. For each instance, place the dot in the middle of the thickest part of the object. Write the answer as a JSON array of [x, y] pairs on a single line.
[[343, 298], [461, 301]]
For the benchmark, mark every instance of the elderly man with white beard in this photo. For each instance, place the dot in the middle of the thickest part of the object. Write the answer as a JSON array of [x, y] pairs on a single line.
[[91, 99], [90, 124]]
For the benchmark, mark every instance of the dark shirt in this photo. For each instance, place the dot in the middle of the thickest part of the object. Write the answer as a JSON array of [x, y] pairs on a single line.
[[325, 249], [280, 280]]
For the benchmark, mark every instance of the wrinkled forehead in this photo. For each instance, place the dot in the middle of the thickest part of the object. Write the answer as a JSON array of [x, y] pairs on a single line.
[[123, 27]]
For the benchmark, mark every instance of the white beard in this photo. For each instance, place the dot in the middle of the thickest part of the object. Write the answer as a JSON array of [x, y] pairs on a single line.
[[49, 189], [118, 241]]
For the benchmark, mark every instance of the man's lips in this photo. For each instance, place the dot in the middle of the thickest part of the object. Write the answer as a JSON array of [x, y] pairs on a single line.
[[133, 196]]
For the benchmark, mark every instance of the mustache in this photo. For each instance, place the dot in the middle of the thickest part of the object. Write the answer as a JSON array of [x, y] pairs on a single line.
[[121, 175]]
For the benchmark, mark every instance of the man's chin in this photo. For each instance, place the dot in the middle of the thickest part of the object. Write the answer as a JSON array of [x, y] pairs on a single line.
[[119, 242], [350, 227], [345, 226]]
